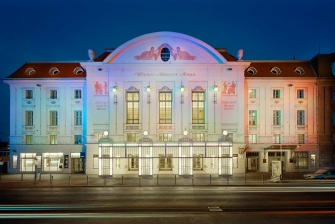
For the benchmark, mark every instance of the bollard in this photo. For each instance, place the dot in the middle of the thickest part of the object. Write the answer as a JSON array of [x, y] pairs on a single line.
[[40, 176], [21, 176], [70, 180], [280, 178], [87, 180], [227, 180], [175, 180], [52, 179], [210, 179], [263, 178], [245, 179], [105, 181], [192, 181], [157, 179], [139, 181], [122, 179]]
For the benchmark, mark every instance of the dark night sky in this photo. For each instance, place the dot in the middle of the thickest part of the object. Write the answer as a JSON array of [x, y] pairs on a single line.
[[61, 30]]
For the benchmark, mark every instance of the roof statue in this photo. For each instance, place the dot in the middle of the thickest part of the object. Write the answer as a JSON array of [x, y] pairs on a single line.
[[239, 55], [91, 54]]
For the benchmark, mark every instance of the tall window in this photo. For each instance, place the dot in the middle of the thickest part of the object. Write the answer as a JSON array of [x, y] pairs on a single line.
[[78, 117], [29, 118], [53, 118], [276, 93], [301, 138], [198, 137], [198, 107], [165, 137], [53, 139], [300, 117], [78, 139], [77, 93], [300, 93], [252, 117], [276, 138], [165, 107], [29, 139], [252, 93], [301, 160], [29, 94], [132, 107], [132, 137], [253, 138], [276, 117], [53, 94]]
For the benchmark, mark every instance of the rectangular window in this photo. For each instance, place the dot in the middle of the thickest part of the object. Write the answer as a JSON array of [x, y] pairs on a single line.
[[253, 138], [165, 107], [252, 117], [95, 161], [53, 161], [132, 137], [252, 93], [301, 138], [29, 118], [14, 162], [29, 139], [28, 161], [198, 107], [53, 139], [78, 139], [313, 159], [276, 117], [78, 117], [132, 107], [277, 138], [301, 160], [53, 94], [300, 93], [300, 117], [77, 93], [276, 93], [29, 94], [165, 137], [53, 118], [198, 137]]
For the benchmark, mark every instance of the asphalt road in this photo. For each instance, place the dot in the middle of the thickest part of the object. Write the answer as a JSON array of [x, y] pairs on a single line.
[[250, 204]]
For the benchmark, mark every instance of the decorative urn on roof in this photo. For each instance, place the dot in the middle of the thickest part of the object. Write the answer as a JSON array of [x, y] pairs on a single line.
[[91, 54]]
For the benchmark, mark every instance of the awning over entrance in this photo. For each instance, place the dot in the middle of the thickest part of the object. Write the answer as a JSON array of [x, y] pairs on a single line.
[[282, 147]]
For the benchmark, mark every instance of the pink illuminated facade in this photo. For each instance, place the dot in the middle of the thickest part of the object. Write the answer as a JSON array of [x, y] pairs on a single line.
[[163, 103]]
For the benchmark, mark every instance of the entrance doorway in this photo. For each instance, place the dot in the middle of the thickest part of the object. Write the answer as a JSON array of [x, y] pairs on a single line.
[[77, 165], [252, 161], [133, 162], [276, 156], [165, 162], [197, 161]]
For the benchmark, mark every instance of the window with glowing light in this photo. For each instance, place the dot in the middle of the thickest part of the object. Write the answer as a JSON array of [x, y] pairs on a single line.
[[165, 137], [198, 137], [27, 161], [78, 119], [165, 107], [78, 139], [252, 138], [252, 117], [53, 118], [29, 94], [277, 138], [29, 121], [276, 117], [300, 117], [132, 110], [301, 160], [29, 139], [132, 137], [276, 93], [252, 93], [301, 138], [198, 107], [53, 94], [53, 139]]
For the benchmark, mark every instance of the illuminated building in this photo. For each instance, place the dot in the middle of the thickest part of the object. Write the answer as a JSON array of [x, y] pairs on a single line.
[[159, 104]]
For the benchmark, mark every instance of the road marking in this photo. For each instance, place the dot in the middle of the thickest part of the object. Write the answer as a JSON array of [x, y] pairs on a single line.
[[215, 209]]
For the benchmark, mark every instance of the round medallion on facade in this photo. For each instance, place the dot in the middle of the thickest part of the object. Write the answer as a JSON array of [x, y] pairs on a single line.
[[165, 54]]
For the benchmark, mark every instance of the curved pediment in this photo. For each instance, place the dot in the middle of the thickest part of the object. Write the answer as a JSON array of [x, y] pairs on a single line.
[[165, 47]]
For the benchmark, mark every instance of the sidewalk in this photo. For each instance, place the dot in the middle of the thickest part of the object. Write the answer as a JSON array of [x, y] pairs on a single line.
[[67, 180]]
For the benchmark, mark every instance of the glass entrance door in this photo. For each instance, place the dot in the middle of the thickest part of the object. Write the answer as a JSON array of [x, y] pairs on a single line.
[[133, 162], [197, 161], [77, 165], [165, 162]]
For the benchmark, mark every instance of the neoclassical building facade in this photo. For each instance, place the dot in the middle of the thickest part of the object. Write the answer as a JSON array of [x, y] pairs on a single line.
[[163, 103]]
